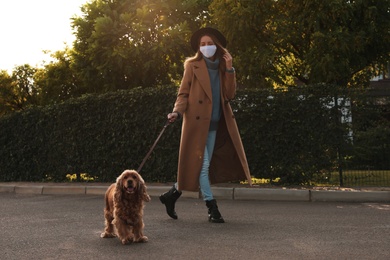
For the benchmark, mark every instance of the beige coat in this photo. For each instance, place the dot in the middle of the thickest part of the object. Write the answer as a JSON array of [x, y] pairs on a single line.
[[194, 103]]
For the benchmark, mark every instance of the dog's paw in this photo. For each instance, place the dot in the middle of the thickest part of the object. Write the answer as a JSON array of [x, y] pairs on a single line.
[[107, 235], [126, 241], [143, 239]]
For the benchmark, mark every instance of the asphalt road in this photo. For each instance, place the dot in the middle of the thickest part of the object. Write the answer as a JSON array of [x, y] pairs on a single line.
[[69, 227]]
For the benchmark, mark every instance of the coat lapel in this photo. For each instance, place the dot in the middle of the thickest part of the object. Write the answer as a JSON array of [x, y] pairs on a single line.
[[202, 75]]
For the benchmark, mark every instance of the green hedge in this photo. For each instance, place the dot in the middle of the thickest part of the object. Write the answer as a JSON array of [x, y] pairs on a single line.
[[289, 134], [99, 135]]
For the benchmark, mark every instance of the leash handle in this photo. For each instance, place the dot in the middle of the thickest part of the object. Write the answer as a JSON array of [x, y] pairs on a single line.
[[154, 145]]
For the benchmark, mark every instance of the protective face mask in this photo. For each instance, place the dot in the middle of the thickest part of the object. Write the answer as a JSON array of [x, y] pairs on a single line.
[[208, 51]]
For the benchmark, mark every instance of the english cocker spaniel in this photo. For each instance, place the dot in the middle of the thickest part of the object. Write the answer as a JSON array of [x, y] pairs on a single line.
[[124, 208]]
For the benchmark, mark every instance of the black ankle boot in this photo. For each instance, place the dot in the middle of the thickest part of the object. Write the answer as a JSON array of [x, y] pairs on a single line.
[[169, 199], [214, 214]]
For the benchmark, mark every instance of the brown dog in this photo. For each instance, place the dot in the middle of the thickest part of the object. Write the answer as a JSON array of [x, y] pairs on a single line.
[[124, 208]]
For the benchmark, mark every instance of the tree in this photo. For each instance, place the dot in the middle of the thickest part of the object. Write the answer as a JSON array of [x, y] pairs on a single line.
[[246, 27], [17, 91], [312, 41], [7, 98], [129, 43], [58, 80]]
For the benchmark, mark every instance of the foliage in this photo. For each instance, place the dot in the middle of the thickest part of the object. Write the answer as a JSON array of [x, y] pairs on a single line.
[[371, 127], [246, 26], [58, 80], [290, 136], [7, 101], [330, 47], [373, 148], [361, 178], [17, 91], [310, 41], [98, 135], [126, 44]]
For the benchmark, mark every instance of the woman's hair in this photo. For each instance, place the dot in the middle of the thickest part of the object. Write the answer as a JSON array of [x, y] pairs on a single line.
[[219, 53]]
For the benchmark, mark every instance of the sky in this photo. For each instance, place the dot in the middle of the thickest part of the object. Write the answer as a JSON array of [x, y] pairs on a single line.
[[28, 27]]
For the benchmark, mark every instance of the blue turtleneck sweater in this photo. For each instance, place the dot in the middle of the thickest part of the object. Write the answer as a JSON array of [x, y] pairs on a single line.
[[213, 68]]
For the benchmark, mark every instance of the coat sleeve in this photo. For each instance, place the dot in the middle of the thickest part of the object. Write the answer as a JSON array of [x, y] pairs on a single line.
[[184, 91], [229, 86]]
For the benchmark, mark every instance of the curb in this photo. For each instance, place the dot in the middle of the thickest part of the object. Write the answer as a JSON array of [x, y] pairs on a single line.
[[271, 194], [351, 196], [230, 193]]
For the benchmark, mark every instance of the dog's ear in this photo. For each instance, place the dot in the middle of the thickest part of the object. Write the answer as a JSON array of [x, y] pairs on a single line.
[[142, 189], [118, 189]]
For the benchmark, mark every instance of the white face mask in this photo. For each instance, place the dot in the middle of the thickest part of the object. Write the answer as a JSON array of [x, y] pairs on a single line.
[[208, 51]]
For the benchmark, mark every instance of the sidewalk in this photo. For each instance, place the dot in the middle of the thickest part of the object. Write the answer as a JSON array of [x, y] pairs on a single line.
[[229, 192]]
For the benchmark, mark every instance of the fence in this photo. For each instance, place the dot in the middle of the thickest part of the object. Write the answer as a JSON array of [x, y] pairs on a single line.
[[356, 178]]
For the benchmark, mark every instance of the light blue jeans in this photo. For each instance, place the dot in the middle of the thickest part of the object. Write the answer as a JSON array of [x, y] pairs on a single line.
[[204, 181]]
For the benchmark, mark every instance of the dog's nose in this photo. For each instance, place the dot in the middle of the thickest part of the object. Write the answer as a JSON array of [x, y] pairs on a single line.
[[130, 182]]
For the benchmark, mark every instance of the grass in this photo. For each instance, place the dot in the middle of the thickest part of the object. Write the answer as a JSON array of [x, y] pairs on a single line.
[[360, 178], [353, 178]]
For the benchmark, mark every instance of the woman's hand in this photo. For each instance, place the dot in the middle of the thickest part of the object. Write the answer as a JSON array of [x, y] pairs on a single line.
[[172, 117], [229, 60]]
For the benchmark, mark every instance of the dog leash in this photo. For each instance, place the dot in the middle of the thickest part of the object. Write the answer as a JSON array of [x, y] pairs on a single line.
[[154, 145]]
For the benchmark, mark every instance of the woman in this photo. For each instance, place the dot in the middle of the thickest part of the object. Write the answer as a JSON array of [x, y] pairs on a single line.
[[211, 150]]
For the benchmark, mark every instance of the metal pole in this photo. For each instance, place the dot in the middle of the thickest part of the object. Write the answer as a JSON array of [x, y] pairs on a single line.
[[340, 166], [339, 155]]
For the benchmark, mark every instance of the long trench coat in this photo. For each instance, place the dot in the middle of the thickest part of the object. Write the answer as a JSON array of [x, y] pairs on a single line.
[[194, 103]]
